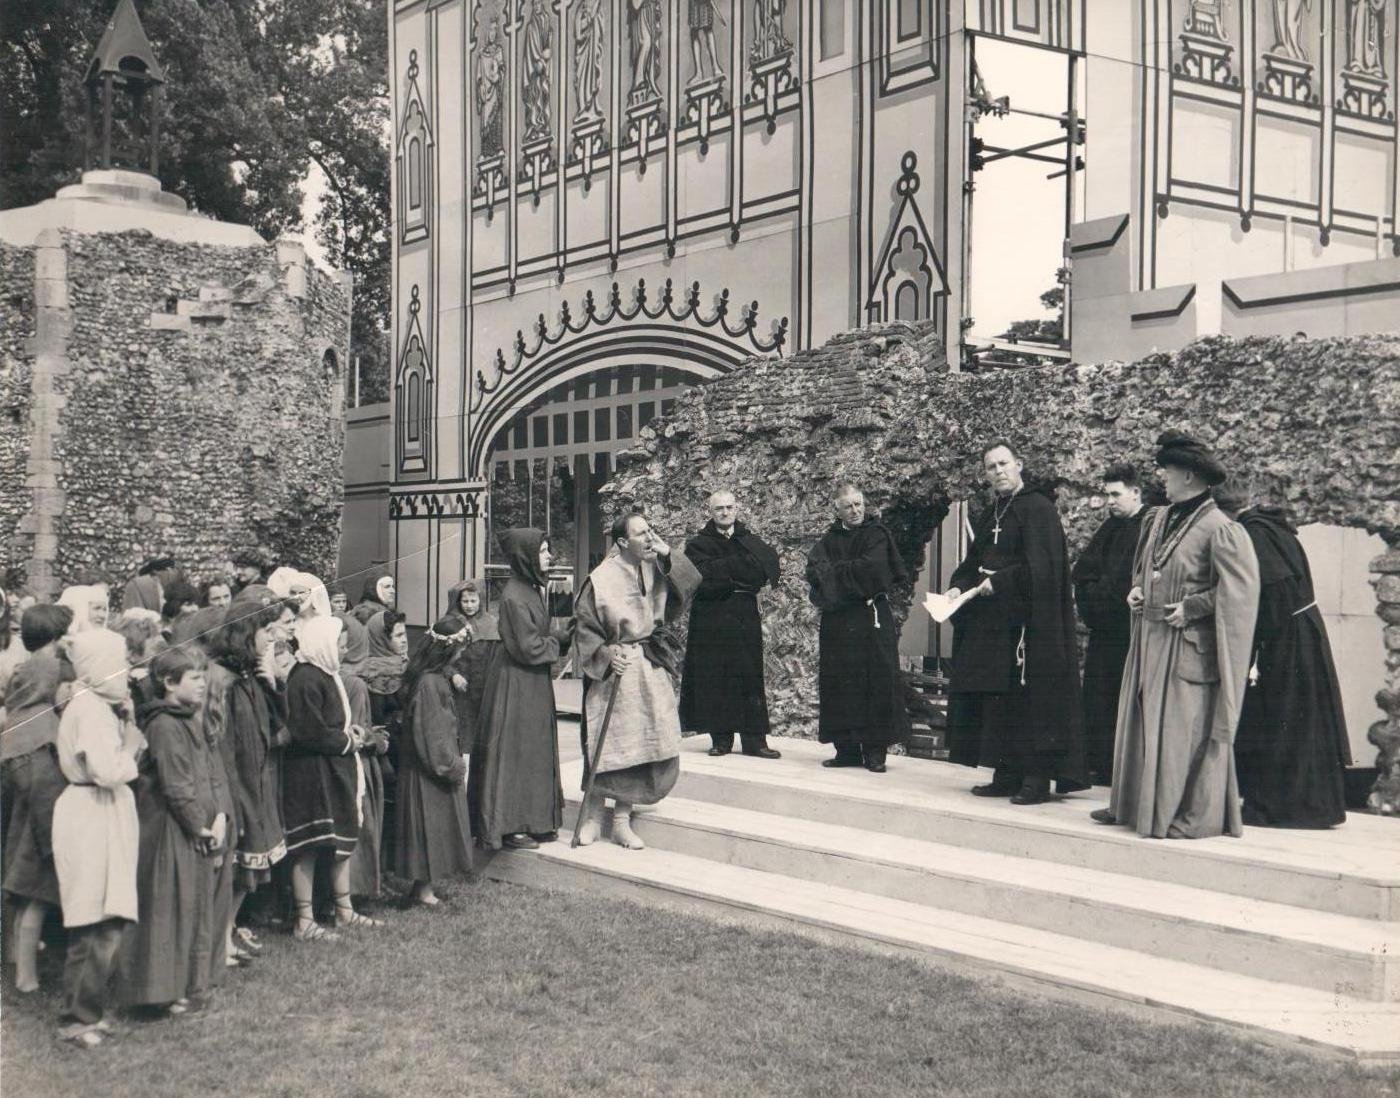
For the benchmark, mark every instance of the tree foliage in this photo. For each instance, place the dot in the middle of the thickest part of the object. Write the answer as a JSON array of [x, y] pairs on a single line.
[[257, 92]]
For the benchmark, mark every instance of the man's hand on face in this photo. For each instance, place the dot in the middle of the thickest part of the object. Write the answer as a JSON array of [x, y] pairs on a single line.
[[657, 546]]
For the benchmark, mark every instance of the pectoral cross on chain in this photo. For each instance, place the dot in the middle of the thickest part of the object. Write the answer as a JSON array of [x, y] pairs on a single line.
[[996, 532]]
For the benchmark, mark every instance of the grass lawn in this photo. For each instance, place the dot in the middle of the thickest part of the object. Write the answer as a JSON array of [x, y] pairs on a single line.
[[507, 990]]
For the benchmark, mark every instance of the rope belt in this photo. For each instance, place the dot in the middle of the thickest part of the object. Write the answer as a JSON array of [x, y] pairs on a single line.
[[875, 610]]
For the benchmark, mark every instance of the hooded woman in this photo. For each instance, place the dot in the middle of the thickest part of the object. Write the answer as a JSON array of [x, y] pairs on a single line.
[[89, 607], [379, 594], [365, 862], [467, 602], [95, 827], [322, 779], [515, 784], [433, 833]]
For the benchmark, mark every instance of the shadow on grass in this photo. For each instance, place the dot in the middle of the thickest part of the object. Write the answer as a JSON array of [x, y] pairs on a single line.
[[512, 991]]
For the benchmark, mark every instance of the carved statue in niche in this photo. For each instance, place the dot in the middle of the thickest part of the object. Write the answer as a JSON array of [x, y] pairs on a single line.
[[1288, 29], [703, 14], [539, 53], [1206, 17], [490, 76], [768, 37], [1366, 36], [644, 34], [589, 36]]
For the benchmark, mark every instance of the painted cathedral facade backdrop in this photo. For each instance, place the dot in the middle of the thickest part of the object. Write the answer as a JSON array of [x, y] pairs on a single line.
[[592, 194]]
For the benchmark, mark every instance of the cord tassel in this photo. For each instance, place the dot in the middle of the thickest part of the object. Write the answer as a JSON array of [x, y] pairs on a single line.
[[1021, 655], [874, 610]]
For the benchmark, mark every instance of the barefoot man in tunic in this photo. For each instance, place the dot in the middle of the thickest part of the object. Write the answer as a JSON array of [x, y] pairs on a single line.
[[623, 644]]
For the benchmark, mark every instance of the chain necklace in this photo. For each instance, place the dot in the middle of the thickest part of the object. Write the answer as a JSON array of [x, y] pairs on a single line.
[[999, 513], [1164, 550]]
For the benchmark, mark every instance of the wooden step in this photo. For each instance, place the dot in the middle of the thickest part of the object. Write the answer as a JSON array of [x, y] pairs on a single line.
[[1350, 870], [1343, 954], [1367, 1030]]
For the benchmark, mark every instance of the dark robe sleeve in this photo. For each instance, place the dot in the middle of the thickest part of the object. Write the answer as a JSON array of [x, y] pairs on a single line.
[[435, 730], [521, 634], [966, 575], [311, 702], [1095, 584], [225, 702], [172, 750], [723, 573], [876, 568]]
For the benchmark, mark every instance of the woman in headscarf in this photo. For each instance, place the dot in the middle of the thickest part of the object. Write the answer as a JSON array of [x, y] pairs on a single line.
[[242, 716], [89, 607], [434, 826], [379, 594], [467, 601], [95, 827], [382, 672], [365, 862], [322, 777], [515, 767], [383, 669]]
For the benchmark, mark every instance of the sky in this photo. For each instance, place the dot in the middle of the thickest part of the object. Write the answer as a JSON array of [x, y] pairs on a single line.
[[1018, 214]]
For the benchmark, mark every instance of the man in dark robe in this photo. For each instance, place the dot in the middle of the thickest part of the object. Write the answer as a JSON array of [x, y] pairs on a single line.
[[1014, 702], [851, 571], [722, 682], [1102, 578], [1291, 751]]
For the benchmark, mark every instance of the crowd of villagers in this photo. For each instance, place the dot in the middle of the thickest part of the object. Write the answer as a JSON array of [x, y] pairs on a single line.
[[186, 767]]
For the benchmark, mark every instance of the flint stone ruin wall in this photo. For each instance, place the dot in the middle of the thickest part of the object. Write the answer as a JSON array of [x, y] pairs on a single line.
[[162, 397], [1316, 421]]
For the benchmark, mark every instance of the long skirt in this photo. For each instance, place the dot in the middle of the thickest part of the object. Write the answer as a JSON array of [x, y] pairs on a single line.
[[364, 863], [95, 851], [166, 953], [433, 839], [33, 785]]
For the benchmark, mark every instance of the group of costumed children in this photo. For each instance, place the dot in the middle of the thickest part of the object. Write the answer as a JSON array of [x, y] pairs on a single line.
[[155, 777]]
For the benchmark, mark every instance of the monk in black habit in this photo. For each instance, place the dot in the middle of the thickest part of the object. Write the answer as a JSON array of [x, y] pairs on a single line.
[[1291, 750], [1014, 702], [851, 571], [1103, 577], [722, 681]]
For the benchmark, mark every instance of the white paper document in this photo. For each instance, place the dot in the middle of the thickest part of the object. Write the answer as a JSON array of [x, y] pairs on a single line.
[[940, 607]]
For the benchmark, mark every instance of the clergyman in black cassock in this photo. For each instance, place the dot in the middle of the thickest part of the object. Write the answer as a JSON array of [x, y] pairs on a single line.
[[850, 572], [1014, 694], [722, 680], [1291, 750], [1103, 576]]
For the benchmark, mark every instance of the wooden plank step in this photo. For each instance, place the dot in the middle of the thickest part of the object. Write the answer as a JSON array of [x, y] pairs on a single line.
[[1366, 1030]]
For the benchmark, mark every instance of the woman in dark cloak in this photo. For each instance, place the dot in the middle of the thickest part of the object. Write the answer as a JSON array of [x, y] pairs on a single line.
[[515, 784]]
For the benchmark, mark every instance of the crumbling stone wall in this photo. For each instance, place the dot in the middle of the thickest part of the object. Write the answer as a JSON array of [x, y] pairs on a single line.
[[1316, 421], [196, 412], [16, 365]]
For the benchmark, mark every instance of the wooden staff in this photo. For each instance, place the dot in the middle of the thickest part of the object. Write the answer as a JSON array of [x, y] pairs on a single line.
[[597, 755]]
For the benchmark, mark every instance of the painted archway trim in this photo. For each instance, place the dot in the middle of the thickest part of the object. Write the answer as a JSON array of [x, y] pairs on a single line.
[[744, 336], [703, 353]]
